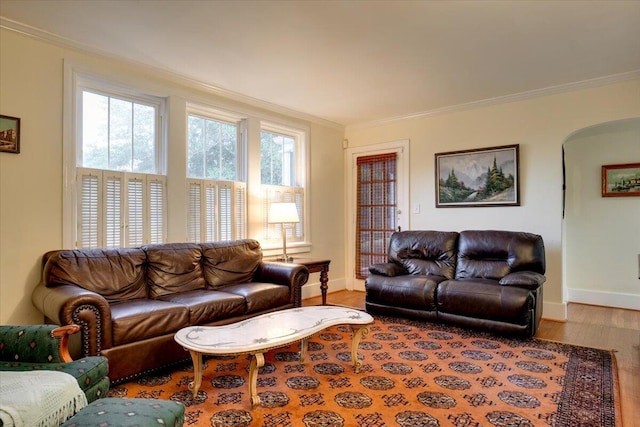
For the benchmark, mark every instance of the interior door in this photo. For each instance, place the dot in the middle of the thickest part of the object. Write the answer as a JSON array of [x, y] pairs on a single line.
[[377, 202]]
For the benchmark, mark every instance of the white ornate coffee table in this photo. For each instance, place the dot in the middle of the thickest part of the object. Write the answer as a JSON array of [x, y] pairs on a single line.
[[256, 335]]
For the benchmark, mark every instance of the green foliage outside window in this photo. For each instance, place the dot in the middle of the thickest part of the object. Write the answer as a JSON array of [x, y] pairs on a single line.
[[212, 149], [118, 134]]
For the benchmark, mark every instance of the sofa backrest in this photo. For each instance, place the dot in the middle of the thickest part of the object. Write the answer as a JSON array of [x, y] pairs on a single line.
[[425, 252], [173, 267], [116, 274], [226, 263], [493, 254], [153, 270]]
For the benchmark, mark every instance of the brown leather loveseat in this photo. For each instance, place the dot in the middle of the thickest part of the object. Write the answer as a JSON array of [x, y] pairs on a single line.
[[486, 279], [130, 302]]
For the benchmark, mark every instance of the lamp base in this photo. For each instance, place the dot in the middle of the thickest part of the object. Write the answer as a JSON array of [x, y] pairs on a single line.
[[285, 259]]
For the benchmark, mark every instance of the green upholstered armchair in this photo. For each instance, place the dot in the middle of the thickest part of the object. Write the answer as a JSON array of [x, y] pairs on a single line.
[[45, 347]]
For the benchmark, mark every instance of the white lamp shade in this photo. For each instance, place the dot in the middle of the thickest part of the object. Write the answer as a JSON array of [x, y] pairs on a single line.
[[283, 213]]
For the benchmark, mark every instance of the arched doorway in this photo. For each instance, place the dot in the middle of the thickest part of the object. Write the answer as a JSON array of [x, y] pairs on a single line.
[[601, 235]]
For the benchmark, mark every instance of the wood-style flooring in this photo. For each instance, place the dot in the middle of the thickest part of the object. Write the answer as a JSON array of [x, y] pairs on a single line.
[[587, 325]]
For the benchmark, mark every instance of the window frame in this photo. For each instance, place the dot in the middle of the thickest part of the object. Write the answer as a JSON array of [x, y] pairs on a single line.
[[78, 81], [298, 235], [238, 214]]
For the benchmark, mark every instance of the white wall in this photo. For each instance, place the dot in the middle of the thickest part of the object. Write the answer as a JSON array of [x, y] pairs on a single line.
[[31, 183], [540, 125], [602, 234]]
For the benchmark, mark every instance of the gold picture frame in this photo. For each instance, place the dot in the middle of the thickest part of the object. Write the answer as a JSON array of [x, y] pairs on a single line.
[[479, 177], [9, 134]]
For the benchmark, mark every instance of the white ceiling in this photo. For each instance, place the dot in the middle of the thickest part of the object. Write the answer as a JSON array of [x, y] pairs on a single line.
[[354, 62]]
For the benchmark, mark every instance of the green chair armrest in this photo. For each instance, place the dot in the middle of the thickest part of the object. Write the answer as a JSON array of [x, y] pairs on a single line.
[[36, 343]]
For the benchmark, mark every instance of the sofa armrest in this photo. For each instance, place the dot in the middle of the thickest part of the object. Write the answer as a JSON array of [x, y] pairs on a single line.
[[523, 279], [282, 273], [73, 305], [36, 343], [388, 269]]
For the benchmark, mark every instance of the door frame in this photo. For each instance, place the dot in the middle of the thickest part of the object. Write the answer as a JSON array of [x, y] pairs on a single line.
[[401, 148]]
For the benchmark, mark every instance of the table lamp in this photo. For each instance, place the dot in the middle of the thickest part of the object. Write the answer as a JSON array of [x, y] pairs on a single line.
[[283, 213]]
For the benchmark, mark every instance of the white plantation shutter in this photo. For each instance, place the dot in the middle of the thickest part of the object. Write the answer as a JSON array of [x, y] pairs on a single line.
[[240, 191], [157, 208], [276, 194], [113, 210], [194, 191], [217, 210], [135, 210], [298, 198], [225, 191], [107, 206], [210, 203], [89, 217]]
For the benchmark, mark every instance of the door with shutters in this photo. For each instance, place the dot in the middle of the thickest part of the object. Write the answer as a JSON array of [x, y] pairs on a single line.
[[378, 199]]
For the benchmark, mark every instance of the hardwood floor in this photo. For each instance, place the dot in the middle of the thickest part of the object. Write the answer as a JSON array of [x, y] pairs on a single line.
[[590, 326]]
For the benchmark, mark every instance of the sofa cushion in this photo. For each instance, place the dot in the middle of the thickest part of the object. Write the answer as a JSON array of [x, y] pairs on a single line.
[[116, 274], [411, 292], [485, 299], [207, 305], [174, 267], [260, 296], [137, 320], [429, 253], [493, 254], [232, 262]]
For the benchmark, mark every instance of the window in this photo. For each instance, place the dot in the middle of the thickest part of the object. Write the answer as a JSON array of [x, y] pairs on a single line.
[[216, 194], [122, 189], [282, 177], [120, 192]]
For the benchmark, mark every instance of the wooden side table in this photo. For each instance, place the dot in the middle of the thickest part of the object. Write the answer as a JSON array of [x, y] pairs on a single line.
[[317, 266]]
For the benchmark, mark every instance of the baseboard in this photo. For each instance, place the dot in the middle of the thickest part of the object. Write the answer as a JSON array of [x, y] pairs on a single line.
[[554, 311], [312, 289], [607, 299]]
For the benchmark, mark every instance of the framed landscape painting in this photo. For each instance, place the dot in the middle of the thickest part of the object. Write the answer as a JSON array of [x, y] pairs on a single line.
[[9, 134], [479, 177], [621, 180]]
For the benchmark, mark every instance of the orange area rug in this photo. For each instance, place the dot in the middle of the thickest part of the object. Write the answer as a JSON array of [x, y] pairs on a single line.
[[414, 374]]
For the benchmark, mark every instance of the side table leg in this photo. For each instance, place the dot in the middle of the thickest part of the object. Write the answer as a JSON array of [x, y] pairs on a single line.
[[324, 279], [355, 342], [194, 386], [257, 362]]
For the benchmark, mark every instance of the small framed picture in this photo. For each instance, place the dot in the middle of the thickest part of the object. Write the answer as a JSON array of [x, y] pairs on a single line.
[[9, 134], [480, 177], [621, 180]]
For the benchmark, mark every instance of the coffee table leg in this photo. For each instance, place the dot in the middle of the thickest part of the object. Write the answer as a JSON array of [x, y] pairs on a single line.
[[257, 362], [303, 349], [194, 386], [355, 341]]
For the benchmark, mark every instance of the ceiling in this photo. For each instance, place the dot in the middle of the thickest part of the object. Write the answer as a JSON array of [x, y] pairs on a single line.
[[354, 62]]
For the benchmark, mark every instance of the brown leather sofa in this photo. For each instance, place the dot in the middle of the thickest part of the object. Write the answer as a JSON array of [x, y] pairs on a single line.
[[484, 279], [130, 302]]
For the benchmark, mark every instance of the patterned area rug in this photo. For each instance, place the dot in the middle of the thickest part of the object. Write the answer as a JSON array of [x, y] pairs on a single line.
[[414, 374]]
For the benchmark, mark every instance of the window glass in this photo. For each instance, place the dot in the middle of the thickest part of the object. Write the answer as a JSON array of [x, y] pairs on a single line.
[[213, 146], [118, 134], [277, 158]]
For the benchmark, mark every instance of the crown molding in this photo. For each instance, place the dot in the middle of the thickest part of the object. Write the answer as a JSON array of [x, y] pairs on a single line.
[[66, 43], [521, 96]]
